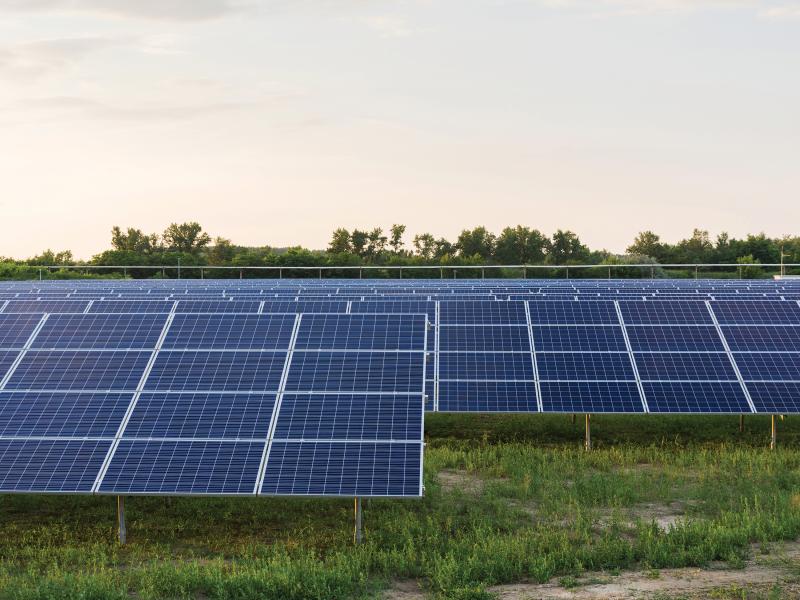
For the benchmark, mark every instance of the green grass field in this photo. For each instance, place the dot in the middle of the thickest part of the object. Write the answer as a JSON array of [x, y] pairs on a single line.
[[508, 499]]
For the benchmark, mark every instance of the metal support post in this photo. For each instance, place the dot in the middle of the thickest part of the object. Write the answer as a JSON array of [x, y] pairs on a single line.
[[573, 418], [357, 533], [123, 533], [587, 443], [240, 274], [741, 423], [401, 272], [773, 442], [360, 272], [40, 274], [567, 270]]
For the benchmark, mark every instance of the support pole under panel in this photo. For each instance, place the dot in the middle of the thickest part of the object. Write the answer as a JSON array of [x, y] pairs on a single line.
[[587, 443], [358, 534], [741, 423], [773, 441], [123, 533]]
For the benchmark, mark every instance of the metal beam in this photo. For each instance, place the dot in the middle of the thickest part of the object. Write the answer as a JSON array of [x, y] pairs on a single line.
[[358, 534], [122, 531]]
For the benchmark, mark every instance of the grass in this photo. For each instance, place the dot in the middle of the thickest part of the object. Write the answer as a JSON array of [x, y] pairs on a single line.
[[534, 506]]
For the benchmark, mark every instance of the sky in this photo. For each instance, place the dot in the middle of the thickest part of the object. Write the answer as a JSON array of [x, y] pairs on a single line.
[[274, 122]]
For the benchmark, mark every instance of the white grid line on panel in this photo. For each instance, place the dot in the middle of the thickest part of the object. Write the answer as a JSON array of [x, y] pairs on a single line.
[[537, 386], [88, 307], [261, 307], [631, 356], [24, 351], [436, 358], [3, 307], [349, 308], [262, 469], [731, 357], [139, 388]]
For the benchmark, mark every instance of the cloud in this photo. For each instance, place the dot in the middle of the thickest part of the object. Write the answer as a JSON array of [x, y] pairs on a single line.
[[168, 10], [789, 11], [389, 25], [34, 59], [642, 7]]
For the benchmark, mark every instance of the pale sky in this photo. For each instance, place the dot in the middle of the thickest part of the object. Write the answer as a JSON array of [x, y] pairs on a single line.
[[273, 122]]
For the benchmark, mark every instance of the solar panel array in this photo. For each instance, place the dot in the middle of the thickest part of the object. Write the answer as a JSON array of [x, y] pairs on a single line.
[[217, 404], [316, 388]]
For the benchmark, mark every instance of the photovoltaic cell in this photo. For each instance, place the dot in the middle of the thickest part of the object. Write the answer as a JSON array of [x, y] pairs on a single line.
[[482, 313], [485, 366], [183, 467], [695, 397], [573, 313], [61, 414], [589, 338], [574, 366], [46, 306], [776, 397], [216, 371], [663, 338], [763, 338], [217, 306], [79, 370], [665, 312], [131, 306], [685, 366], [7, 359], [100, 332], [66, 466], [201, 415], [360, 332], [343, 468], [393, 372], [757, 312], [349, 416], [487, 396], [16, 329], [230, 332], [306, 306], [591, 397], [768, 366], [484, 339]]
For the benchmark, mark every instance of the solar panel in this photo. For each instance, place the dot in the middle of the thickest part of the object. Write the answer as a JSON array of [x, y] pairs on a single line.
[[16, 329], [696, 397], [769, 366], [673, 338], [588, 338], [594, 366], [217, 371], [131, 306], [591, 397], [79, 370], [776, 397], [487, 396], [757, 313], [229, 332], [100, 332], [217, 306], [46, 306], [665, 312], [764, 338], [482, 313], [573, 313]]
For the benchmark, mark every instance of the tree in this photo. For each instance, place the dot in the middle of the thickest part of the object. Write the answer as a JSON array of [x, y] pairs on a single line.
[[520, 245], [696, 249], [48, 257], [647, 243], [396, 240], [222, 252], [186, 237], [442, 248], [359, 242], [566, 247], [340, 242], [476, 242], [133, 240], [376, 243], [746, 272], [425, 245]]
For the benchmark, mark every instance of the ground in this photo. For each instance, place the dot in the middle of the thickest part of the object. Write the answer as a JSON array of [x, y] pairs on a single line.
[[662, 507]]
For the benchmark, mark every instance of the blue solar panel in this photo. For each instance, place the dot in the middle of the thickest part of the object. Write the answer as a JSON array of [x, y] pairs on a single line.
[[76, 370], [344, 468], [665, 338], [131, 306], [196, 415], [404, 307], [46, 306], [487, 396], [573, 313], [770, 366], [505, 366], [217, 306], [588, 338], [306, 306], [591, 397], [757, 313], [484, 339], [100, 332], [482, 313], [685, 366], [230, 332], [7, 359], [696, 397], [665, 312], [777, 398], [349, 416], [50, 465], [61, 414], [195, 371], [763, 338], [16, 329], [183, 467], [573, 366], [360, 332], [394, 372]]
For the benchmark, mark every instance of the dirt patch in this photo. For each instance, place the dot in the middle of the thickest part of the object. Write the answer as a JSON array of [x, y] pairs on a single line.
[[406, 589], [462, 481], [759, 575], [664, 515]]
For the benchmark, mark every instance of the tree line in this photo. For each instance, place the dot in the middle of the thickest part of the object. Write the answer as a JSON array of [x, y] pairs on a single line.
[[189, 245]]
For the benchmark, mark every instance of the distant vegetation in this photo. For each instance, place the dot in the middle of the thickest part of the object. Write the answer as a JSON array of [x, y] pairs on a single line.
[[190, 246]]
